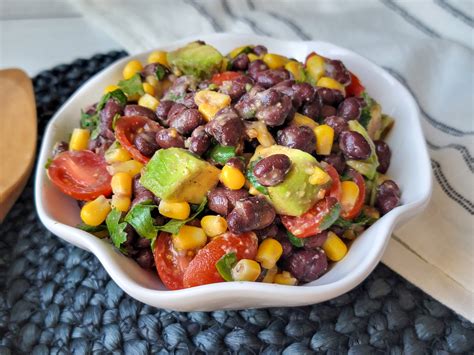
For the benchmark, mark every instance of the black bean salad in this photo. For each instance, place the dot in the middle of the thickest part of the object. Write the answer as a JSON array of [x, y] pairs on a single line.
[[245, 167]]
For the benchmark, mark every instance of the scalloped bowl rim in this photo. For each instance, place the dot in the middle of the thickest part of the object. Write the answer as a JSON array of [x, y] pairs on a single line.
[[145, 287]]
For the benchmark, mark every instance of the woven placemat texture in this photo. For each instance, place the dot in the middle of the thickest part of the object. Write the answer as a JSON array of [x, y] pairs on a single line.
[[56, 298]]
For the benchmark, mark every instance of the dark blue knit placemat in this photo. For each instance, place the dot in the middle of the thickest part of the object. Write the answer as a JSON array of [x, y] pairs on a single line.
[[56, 298]]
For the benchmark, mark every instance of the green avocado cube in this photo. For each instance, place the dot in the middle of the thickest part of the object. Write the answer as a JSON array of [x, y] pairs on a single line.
[[199, 60], [177, 174]]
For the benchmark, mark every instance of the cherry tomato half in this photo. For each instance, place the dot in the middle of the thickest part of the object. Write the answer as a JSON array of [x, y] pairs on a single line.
[[355, 210], [309, 223], [80, 174], [355, 88], [126, 129], [335, 190], [202, 269], [219, 78], [170, 263]]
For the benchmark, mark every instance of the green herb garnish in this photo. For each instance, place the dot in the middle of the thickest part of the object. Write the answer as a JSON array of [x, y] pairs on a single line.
[[160, 72], [221, 154], [297, 242], [117, 94], [132, 86], [329, 219], [225, 264], [116, 229]]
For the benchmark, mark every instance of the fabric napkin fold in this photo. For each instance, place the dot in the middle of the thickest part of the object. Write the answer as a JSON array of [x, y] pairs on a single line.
[[426, 45]]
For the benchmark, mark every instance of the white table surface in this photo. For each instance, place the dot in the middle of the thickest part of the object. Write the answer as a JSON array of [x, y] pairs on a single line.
[[38, 34]]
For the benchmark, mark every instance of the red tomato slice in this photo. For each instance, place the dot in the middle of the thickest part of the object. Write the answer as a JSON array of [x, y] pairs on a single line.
[[170, 263], [126, 129], [308, 223], [219, 78], [202, 269], [355, 88], [335, 190], [355, 210], [80, 174]]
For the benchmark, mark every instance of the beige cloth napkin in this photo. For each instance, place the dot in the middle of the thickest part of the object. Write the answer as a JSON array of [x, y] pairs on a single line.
[[427, 45]]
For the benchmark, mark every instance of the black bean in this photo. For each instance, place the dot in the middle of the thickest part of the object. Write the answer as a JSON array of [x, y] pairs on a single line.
[[101, 143], [316, 241], [250, 214], [301, 138], [188, 100], [354, 145], [186, 121], [237, 163], [304, 92], [150, 70], [255, 67], [237, 87], [312, 109], [272, 170], [145, 142], [267, 232], [329, 96], [337, 70], [273, 108], [179, 88], [226, 127], [222, 200], [271, 77], [163, 110], [307, 265], [384, 155], [137, 110], [145, 258], [260, 50], [200, 141], [337, 161], [241, 62], [388, 196], [327, 111], [349, 109], [110, 109], [246, 106], [338, 124], [169, 138]]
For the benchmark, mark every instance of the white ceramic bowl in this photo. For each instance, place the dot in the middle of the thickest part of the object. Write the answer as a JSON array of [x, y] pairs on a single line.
[[410, 168]]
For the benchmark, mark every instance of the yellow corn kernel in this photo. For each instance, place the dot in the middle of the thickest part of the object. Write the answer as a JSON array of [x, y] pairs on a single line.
[[122, 203], [131, 68], [319, 177], [236, 51], [350, 193], [246, 270], [285, 278], [189, 237], [295, 68], [122, 184], [209, 102], [117, 155], [131, 167], [259, 130], [149, 101], [110, 88], [330, 83], [302, 120], [79, 139], [269, 252], [334, 247], [253, 57], [270, 275], [315, 67], [213, 225], [175, 210], [160, 57], [324, 139], [274, 61], [232, 178], [94, 212], [149, 89]]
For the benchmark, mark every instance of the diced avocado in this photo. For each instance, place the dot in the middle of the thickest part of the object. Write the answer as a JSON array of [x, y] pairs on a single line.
[[176, 174], [199, 60], [295, 195]]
